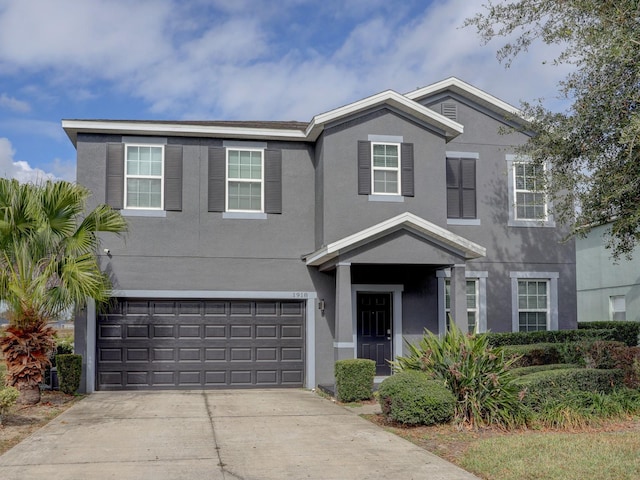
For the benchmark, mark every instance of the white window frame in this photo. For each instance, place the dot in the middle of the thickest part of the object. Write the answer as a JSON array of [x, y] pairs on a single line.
[[514, 221], [481, 298], [127, 176], [243, 180], [397, 169], [617, 299], [552, 297]]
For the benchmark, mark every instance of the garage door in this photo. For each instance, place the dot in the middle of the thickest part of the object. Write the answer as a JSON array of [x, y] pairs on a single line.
[[172, 344]]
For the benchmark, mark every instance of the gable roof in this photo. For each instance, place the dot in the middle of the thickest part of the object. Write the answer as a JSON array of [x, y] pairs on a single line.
[[430, 231], [300, 131], [468, 91]]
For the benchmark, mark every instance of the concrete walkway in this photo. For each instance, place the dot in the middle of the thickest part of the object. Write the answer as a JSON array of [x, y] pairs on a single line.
[[251, 434]]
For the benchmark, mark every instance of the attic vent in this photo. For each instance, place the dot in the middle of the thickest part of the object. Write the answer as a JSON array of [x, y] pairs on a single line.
[[450, 110]]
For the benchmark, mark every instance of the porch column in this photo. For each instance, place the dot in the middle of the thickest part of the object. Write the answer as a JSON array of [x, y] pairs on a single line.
[[458, 294], [343, 344]]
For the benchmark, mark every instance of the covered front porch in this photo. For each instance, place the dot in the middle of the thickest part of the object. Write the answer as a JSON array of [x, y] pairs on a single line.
[[387, 285]]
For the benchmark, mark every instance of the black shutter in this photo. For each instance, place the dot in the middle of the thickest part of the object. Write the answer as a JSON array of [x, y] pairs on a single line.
[[273, 181], [468, 187], [216, 187], [364, 168], [173, 178], [115, 175], [407, 188], [453, 188]]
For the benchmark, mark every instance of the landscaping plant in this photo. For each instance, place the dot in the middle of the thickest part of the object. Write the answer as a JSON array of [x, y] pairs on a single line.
[[69, 368], [48, 264], [413, 398], [477, 374], [354, 379], [8, 397]]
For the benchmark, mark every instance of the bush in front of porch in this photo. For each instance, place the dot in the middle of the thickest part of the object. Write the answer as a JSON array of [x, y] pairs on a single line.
[[354, 379]]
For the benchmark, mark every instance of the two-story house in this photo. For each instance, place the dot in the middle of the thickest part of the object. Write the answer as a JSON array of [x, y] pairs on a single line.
[[259, 253]]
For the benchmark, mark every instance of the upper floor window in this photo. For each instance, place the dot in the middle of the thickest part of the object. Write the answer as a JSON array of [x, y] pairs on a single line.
[[244, 180], [530, 201], [529, 205], [245, 190], [144, 176], [386, 168]]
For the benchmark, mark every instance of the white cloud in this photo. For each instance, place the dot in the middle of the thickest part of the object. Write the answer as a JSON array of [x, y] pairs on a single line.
[[20, 170], [14, 104], [234, 62]]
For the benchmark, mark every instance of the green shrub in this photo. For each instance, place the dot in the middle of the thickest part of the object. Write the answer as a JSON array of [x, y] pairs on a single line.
[[477, 375], [578, 409], [533, 354], [69, 368], [541, 386], [522, 371], [627, 332], [354, 379], [548, 336], [8, 398], [412, 398]]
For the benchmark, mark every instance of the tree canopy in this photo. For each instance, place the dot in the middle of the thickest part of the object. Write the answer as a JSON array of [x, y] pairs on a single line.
[[593, 148], [48, 247]]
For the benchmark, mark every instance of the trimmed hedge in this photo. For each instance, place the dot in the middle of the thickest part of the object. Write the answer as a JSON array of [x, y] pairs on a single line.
[[556, 383], [534, 354], [522, 371], [354, 379], [69, 368], [548, 336], [627, 332], [411, 397]]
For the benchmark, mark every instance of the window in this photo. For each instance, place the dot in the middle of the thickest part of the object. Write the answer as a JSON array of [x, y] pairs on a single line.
[[386, 168], [461, 188], [244, 180], [476, 296], [618, 307], [533, 305], [528, 203], [144, 177], [472, 304]]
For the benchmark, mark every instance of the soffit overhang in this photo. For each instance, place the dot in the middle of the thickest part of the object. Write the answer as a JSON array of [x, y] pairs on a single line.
[[286, 131], [435, 234]]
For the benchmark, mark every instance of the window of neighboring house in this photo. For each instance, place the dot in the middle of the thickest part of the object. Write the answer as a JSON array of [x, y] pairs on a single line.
[[618, 307], [472, 304], [533, 305], [144, 177], [461, 188], [245, 188], [385, 168]]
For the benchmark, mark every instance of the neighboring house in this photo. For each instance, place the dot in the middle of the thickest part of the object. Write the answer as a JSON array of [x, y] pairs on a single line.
[[607, 290], [259, 253]]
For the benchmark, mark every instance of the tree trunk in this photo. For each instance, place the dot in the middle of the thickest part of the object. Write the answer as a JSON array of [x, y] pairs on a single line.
[[29, 394]]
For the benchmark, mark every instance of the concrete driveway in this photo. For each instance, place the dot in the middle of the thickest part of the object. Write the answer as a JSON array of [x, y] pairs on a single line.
[[230, 434]]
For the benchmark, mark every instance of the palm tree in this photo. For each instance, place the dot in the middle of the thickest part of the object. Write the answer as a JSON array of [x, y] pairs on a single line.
[[48, 264]]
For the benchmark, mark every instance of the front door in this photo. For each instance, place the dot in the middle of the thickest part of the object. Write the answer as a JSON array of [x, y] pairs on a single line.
[[374, 329]]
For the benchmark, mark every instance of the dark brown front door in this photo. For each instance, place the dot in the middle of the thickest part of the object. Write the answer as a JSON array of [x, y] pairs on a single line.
[[374, 329]]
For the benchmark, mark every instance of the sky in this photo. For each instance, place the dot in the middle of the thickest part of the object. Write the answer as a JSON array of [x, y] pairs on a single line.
[[229, 60]]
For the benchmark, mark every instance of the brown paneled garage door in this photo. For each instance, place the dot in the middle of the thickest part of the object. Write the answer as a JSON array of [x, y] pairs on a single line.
[[172, 344]]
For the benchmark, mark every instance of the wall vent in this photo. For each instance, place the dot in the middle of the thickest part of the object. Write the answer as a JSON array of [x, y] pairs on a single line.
[[450, 110]]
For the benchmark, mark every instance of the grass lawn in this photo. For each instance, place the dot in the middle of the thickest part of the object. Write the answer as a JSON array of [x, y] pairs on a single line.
[[609, 452]]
